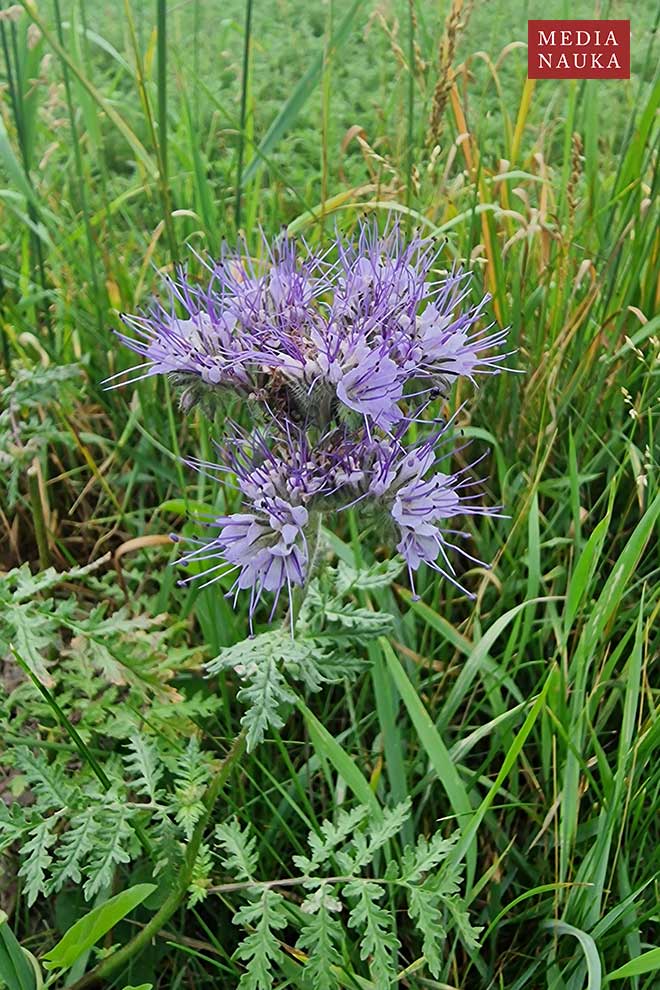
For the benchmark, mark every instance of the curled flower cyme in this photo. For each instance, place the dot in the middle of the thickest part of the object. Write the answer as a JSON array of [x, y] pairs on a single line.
[[335, 356]]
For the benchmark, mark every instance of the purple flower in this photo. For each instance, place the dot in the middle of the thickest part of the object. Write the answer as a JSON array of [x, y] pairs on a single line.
[[267, 546], [369, 332], [336, 355], [418, 499], [193, 345], [447, 345], [374, 388]]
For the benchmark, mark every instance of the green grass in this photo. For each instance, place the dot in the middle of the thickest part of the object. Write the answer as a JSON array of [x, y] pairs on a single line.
[[529, 717]]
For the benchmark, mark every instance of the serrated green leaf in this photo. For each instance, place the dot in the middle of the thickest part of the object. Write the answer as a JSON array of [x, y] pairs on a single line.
[[379, 575], [320, 936], [333, 836], [426, 855], [264, 695], [105, 856], [73, 847], [389, 824], [192, 774], [378, 943], [359, 622], [260, 951], [36, 859], [425, 910], [31, 633], [240, 848], [143, 765]]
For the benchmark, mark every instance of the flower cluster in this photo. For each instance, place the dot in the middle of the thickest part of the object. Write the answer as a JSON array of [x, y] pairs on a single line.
[[336, 355]]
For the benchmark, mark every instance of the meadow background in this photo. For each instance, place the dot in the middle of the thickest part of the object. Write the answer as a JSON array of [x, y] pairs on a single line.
[[134, 135]]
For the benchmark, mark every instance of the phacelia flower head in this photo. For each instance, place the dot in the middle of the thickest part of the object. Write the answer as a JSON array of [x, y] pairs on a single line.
[[419, 499], [335, 355]]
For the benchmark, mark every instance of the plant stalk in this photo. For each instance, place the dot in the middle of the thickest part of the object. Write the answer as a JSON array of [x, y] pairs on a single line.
[[300, 593], [244, 94], [119, 958], [38, 515]]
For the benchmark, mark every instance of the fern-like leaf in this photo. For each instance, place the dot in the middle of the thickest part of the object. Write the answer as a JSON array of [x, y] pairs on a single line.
[[468, 934], [112, 835], [257, 662], [192, 774], [378, 943], [424, 908], [31, 632], [378, 575], [72, 849], [333, 835], [427, 855], [200, 880], [265, 695], [47, 781], [320, 937], [36, 859], [358, 623], [240, 848], [379, 833], [143, 766], [12, 825], [260, 950]]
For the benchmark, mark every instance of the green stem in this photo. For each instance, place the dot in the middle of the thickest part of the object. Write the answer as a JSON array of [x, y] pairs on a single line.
[[79, 743], [180, 888], [313, 545], [244, 94], [40, 530], [411, 105], [80, 176]]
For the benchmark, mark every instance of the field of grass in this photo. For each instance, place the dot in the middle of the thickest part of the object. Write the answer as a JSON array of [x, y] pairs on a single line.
[[139, 135]]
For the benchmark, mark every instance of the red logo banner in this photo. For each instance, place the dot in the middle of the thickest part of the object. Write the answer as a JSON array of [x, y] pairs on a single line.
[[578, 49]]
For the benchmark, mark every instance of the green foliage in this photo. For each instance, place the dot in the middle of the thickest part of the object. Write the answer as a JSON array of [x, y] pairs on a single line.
[[35, 853], [87, 931], [378, 575], [40, 629], [16, 973], [426, 880], [260, 951], [143, 766], [30, 420], [200, 880], [548, 193], [378, 943], [77, 832], [323, 650], [240, 849], [321, 937], [191, 774]]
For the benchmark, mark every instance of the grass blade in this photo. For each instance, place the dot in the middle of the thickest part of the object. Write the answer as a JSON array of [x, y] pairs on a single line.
[[434, 747], [298, 97]]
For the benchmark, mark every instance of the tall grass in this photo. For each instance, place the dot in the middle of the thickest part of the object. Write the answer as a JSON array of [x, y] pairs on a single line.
[[529, 717]]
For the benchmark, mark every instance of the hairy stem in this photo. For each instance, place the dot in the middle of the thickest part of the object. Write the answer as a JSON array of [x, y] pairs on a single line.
[[108, 966], [313, 547]]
